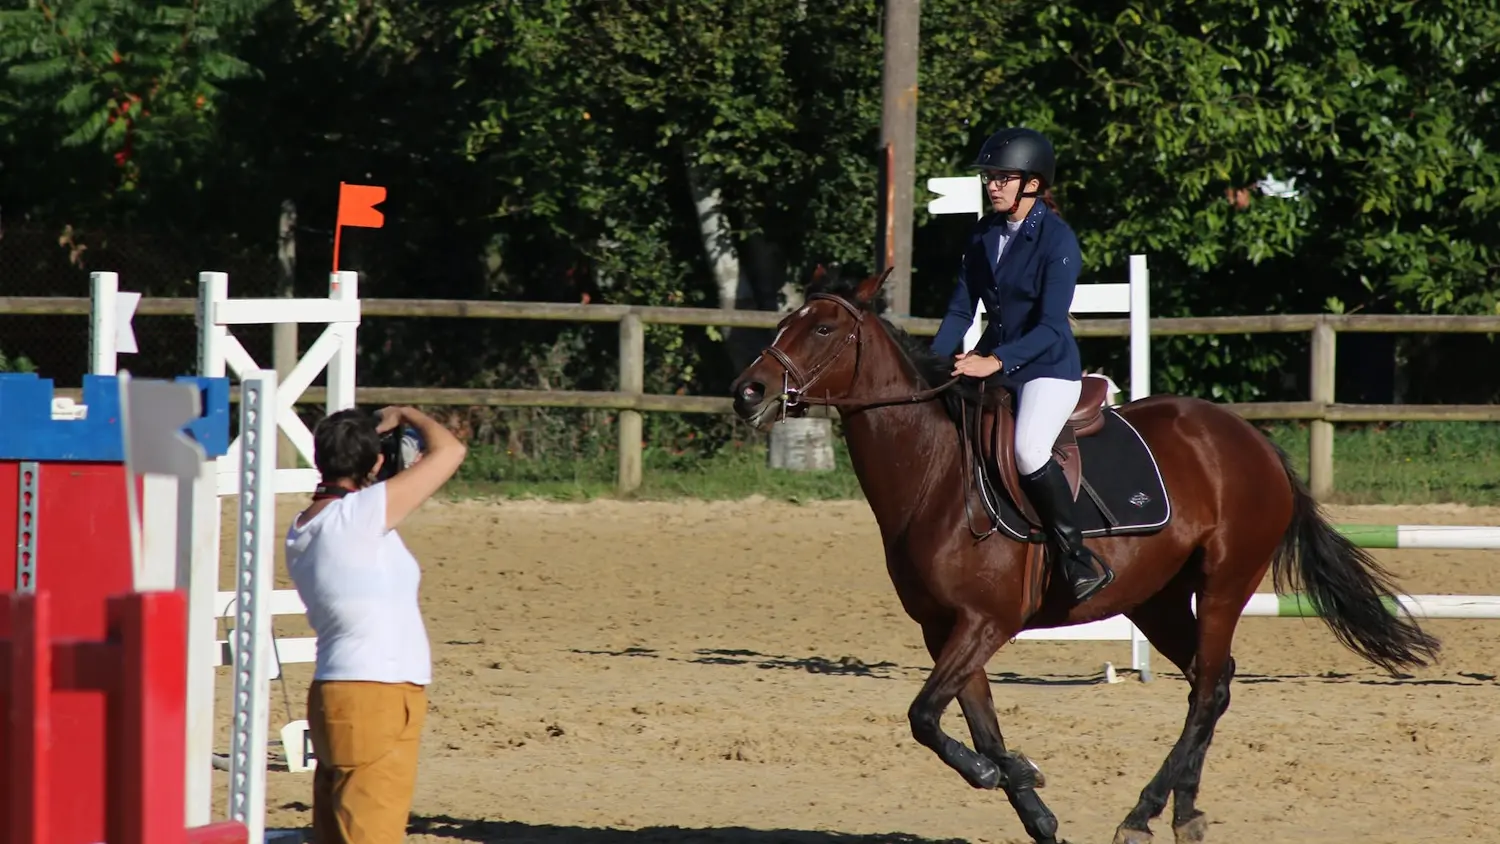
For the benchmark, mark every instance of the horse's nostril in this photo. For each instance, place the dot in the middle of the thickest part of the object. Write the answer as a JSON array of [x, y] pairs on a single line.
[[753, 391]]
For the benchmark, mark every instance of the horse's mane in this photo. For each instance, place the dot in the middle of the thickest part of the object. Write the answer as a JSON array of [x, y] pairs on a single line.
[[932, 370]]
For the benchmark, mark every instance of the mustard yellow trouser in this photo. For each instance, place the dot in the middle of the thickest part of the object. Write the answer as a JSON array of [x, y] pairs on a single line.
[[365, 736]]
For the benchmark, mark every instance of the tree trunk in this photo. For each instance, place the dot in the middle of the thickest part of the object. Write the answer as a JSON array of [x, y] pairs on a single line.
[[730, 275], [714, 230], [757, 281]]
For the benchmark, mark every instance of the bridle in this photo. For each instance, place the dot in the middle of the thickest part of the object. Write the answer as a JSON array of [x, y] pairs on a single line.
[[795, 383]]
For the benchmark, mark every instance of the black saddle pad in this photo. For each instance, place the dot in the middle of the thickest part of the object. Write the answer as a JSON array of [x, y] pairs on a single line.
[[1122, 471]]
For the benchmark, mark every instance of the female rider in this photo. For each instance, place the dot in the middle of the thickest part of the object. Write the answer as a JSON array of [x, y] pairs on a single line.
[[1023, 260]]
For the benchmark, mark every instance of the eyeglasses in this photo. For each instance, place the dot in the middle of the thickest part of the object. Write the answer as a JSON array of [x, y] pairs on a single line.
[[998, 176]]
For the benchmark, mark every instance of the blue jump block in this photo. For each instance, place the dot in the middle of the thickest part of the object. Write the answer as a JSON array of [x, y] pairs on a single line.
[[28, 431], [211, 430]]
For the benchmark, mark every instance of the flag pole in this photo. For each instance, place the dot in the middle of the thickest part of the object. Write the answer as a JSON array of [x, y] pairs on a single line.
[[338, 229]]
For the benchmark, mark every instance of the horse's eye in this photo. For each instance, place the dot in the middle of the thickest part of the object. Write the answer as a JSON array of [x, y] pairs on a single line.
[[825, 330]]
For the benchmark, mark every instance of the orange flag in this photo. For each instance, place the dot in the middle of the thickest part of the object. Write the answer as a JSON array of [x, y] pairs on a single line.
[[357, 208]]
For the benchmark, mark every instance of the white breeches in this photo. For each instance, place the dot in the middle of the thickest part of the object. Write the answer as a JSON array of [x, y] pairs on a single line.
[[1043, 408]]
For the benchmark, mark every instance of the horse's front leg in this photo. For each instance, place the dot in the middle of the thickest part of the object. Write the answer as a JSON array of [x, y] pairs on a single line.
[[958, 651], [1017, 775]]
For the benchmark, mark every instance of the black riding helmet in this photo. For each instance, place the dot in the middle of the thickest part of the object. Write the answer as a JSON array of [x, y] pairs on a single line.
[[1024, 150]]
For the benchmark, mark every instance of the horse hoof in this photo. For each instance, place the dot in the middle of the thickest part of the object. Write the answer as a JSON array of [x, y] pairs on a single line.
[[1194, 830], [1132, 836], [1039, 779]]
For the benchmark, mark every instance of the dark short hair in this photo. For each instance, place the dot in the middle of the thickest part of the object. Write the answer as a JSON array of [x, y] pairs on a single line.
[[345, 446]]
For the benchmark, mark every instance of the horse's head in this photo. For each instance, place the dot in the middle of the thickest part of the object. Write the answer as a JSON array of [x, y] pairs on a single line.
[[813, 358]]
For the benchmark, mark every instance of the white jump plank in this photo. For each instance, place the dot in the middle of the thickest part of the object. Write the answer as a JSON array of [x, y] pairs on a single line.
[[1113, 629], [272, 311], [285, 652], [287, 481]]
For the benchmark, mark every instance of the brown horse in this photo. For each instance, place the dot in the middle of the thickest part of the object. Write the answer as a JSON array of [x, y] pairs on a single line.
[[1236, 508]]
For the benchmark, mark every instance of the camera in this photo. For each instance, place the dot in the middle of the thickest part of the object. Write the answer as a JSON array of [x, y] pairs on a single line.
[[401, 447]]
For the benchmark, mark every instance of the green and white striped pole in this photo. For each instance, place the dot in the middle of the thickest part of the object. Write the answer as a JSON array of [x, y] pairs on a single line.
[[1267, 605], [1479, 538]]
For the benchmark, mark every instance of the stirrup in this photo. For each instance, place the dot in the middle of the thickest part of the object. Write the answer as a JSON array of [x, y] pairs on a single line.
[[1084, 589], [1091, 582]]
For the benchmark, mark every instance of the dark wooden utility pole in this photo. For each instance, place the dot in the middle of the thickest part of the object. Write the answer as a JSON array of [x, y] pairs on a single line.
[[898, 140]]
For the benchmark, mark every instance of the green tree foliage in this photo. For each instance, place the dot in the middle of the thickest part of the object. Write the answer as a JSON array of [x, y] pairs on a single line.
[[1171, 117], [15, 364], [136, 80], [1380, 113], [555, 149], [772, 104]]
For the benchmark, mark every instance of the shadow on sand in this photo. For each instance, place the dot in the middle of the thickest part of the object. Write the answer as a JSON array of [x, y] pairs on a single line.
[[511, 832], [851, 666], [847, 666]]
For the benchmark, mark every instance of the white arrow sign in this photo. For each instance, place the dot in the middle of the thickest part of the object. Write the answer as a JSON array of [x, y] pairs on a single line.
[[956, 195], [110, 313], [960, 195], [124, 313]]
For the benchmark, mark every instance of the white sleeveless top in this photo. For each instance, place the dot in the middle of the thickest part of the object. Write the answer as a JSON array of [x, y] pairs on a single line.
[[360, 584]]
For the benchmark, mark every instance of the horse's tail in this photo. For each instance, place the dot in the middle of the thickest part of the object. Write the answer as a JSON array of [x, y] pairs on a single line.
[[1352, 593]]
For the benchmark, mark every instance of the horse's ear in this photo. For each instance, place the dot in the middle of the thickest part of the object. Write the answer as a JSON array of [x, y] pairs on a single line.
[[819, 279], [870, 287]]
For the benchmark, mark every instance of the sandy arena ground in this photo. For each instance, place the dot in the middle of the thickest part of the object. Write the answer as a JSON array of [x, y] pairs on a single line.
[[624, 673]]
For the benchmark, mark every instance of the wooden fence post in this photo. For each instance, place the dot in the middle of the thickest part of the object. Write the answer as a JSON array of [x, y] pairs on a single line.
[[284, 334], [1321, 382], [632, 380]]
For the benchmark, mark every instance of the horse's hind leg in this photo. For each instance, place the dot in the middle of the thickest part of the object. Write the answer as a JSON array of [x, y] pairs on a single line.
[[1189, 824], [1167, 621], [1200, 648], [1019, 779]]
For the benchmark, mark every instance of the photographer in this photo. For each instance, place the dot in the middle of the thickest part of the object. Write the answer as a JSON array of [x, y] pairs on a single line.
[[367, 702]]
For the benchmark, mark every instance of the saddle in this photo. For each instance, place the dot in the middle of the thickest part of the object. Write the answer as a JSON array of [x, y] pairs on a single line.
[[1126, 493], [994, 438]]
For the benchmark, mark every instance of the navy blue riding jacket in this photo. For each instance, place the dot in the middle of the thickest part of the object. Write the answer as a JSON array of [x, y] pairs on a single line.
[[1027, 297]]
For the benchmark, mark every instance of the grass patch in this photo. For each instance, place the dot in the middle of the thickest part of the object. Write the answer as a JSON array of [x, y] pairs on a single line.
[[1407, 463], [731, 473]]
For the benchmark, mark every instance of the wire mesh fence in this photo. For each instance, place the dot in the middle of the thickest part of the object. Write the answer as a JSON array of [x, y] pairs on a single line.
[[38, 261]]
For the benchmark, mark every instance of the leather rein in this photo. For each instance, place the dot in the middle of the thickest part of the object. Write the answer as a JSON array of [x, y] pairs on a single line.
[[796, 383]]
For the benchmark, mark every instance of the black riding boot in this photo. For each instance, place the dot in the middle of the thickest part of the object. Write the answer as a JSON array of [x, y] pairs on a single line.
[[1049, 493]]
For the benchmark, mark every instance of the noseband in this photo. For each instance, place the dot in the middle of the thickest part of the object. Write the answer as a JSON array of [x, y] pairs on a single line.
[[795, 383]]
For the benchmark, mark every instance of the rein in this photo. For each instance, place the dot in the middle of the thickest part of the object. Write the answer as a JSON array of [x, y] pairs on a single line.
[[796, 383]]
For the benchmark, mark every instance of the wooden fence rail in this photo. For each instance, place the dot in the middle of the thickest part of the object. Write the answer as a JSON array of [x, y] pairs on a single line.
[[1321, 410]]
